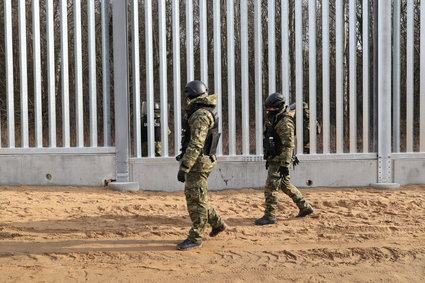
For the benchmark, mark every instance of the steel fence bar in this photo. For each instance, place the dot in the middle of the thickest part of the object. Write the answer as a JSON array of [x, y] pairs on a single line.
[[340, 26], [51, 73], [162, 11], [353, 74], [66, 138], [410, 65], [106, 78], [149, 78], [374, 113], [299, 74], [189, 41], [286, 70], [176, 76], [23, 74], [231, 76], [38, 119], [217, 69], [203, 34], [422, 81], [258, 79], [137, 117], [396, 76], [91, 22], [366, 76], [326, 77], [78, 74], [244, 77], [9, 73], [312, 74], [271, 45]]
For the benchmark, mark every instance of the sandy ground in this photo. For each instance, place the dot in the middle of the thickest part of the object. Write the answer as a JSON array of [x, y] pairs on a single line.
[[70, 234]]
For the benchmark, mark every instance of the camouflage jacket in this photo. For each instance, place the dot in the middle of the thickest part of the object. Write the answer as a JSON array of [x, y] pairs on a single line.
[[306, 124], [285, 129], [200, 122]]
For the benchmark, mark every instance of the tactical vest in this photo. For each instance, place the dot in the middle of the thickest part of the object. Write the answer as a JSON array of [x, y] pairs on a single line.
[[272, 144], [157, 128], [213, 136]]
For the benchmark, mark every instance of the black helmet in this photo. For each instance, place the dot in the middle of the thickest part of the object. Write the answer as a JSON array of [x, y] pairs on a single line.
[[194, 89], [293, 106], [274, 102]]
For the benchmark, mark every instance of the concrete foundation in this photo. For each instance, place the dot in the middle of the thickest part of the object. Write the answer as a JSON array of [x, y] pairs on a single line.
[[57, 169], [162, 174]]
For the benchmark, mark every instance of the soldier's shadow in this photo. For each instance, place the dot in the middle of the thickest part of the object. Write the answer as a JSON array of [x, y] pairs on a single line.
[[117, 224], [251, 221], [16, 248], [106, 233]]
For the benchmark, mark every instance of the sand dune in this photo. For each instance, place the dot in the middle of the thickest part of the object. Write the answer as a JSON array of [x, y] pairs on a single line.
[[70, 234]]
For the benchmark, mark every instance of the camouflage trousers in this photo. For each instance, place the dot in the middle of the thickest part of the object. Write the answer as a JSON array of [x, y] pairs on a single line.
[[273, 184], [158, 148], [200, 211]]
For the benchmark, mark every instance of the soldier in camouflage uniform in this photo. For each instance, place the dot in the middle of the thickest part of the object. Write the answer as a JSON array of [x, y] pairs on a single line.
[[197, 160], [306, 124], [279, 144], [157, 132]]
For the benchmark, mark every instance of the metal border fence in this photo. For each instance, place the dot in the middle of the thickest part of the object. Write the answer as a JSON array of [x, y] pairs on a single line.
[[354, 62], [51, 75]]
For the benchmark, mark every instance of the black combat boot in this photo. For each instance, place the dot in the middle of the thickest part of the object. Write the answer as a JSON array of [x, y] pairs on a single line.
[[305, 212], [265, 220], [187, 245], [214, 232]]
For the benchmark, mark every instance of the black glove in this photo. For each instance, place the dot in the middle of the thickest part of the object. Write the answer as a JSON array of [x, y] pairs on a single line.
[[284, 171], [267, 165], [179, 157], [181, 176], [295, 161]]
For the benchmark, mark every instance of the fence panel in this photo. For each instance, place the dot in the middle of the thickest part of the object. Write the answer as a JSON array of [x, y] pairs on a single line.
[[59, 52], [408, 120], [57, 91], [316, 52]]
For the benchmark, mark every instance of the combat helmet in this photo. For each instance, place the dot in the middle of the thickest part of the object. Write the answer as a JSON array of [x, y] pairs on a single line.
[[293, 106], [194, 89], [274, 102]]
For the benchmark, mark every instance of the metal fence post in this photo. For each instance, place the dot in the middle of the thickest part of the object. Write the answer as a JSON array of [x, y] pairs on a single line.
[[385, 171], [122, 123], [375, 76]]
